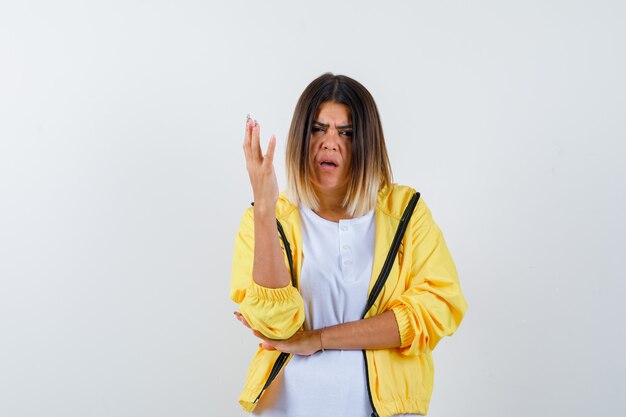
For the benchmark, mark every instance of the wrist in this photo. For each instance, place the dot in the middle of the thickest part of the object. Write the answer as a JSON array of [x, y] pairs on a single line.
[[320, 339], [264, 208]]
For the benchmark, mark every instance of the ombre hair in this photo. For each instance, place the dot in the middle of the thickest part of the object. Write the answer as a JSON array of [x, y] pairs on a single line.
[[370, 170]]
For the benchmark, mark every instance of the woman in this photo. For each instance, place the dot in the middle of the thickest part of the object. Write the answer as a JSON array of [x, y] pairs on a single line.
[[303, 289]]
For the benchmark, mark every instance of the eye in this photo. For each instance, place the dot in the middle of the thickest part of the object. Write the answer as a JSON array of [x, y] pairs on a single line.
[[346, 133], [315, 129]]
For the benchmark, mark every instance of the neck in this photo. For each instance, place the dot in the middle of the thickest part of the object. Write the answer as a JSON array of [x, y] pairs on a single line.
[[330, 205]]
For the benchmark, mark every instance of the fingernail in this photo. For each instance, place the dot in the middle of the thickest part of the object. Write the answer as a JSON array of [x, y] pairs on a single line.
[[255, 123]]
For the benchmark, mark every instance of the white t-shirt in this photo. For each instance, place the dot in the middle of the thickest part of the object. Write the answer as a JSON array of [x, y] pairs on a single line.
[[334, 282]]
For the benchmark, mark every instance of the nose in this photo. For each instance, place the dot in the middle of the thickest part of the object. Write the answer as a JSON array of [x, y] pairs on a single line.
[[329, 141]]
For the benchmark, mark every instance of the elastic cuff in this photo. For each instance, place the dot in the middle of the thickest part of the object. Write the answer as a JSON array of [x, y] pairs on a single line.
[[271, 294], [407, 333]]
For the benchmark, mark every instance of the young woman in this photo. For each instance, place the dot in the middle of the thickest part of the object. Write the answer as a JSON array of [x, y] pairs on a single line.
[[306, 261]]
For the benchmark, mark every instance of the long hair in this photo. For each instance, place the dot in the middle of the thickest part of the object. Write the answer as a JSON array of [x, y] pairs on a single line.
[[370, 169]]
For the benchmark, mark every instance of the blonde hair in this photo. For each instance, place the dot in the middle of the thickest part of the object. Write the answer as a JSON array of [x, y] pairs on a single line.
[[370, 169]]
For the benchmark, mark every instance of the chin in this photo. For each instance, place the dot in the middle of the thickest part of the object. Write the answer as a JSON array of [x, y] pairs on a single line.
[[329, 185]]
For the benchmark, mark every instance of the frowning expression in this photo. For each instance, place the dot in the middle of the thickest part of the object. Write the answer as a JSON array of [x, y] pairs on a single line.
[[331, 147]]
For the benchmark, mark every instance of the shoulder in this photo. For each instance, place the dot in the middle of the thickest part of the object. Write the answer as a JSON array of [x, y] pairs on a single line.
[[393, 200]]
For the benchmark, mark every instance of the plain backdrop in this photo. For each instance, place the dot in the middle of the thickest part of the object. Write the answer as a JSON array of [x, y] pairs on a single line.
[[122, 183]]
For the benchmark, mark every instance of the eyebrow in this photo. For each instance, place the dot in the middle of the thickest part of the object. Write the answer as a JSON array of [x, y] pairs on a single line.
[[324, 125]]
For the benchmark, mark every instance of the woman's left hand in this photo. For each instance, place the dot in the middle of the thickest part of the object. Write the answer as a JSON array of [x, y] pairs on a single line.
[[303, 342]]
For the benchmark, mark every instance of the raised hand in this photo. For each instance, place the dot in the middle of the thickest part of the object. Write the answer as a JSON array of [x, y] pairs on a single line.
[[260, 167]]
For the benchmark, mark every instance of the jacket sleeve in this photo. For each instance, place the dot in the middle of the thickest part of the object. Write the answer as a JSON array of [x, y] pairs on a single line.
[[276, 312], [432, 306]]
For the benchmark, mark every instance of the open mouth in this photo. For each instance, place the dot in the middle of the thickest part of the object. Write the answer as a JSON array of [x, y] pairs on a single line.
[[328, 163]]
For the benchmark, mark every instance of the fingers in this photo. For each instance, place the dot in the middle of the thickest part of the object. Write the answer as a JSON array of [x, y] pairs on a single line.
[[267, 343], [260, 335], [271, 147], [247, 138], [266, 346], [255, 142], [257, 333], [242, 319], [252, 143]]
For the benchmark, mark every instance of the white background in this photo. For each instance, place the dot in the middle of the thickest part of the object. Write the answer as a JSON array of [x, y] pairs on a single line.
[[122, 182]]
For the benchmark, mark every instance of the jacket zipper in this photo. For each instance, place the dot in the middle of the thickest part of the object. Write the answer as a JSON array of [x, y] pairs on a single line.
[[375, 290], [391, 255], [382, 278], [282, 358], [386, 269], [280, 362]]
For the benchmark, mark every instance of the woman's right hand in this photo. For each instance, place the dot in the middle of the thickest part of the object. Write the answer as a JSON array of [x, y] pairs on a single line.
[[260, 167]]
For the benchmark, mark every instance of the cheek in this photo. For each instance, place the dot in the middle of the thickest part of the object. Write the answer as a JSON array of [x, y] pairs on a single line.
[[347, 152]]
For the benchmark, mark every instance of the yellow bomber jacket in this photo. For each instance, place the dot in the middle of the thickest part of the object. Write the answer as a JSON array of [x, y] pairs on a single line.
[[422, 290]]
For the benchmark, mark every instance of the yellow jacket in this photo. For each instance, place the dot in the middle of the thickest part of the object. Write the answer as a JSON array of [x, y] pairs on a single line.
[[422, 290]]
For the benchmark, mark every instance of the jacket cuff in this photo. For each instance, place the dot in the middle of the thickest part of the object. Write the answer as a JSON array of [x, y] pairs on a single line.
[[271, 294], [407, 333]]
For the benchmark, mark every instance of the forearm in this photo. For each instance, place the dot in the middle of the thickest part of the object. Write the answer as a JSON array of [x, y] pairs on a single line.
[[269, 268], [378, 332]]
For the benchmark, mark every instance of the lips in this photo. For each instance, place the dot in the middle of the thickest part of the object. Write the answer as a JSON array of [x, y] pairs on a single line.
[[328, 161], [328, 164]]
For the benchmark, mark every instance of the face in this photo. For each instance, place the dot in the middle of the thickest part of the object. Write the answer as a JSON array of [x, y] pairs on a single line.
[[331, 147]]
